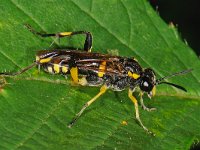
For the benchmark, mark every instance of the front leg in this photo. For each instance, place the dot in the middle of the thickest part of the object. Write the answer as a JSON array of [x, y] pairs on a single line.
[[143, 105], [133, 99]]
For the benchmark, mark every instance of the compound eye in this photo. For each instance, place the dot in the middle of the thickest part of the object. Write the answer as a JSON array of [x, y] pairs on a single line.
[[146, 86]]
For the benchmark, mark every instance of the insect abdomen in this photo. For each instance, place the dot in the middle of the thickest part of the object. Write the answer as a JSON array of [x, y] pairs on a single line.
[[56, 68]]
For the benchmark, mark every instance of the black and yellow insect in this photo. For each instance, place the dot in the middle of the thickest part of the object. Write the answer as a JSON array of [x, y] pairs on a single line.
[[96, 69]]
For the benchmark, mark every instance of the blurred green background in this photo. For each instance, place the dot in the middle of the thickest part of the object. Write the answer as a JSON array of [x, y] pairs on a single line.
[[186, 15]]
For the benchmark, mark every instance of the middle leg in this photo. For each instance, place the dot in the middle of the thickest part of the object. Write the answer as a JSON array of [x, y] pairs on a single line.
[[102, 91]]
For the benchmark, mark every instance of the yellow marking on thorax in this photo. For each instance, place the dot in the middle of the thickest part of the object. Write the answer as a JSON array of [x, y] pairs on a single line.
[[65, 33], [133, 75], [64, 69], [56, 68], [102, 69], [130, 74]]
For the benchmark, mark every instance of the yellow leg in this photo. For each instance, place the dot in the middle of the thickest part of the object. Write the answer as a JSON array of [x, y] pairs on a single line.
[[143, 105], [74, 74], [102, 91], [133, 99], [75, 79]]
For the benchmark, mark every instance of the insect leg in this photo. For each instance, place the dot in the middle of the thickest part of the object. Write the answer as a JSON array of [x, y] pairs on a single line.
[[74, 74], [102, 91], [143, 105], [133, 99], [7, 74], [88, 39]]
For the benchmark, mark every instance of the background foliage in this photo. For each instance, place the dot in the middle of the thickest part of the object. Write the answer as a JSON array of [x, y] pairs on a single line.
[[36, 107]]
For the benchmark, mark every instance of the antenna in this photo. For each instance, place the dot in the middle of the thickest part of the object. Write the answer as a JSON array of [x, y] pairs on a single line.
[[160, 81], [174, 74]]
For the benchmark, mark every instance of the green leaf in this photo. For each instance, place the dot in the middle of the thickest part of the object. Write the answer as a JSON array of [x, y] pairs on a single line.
[[36, 107]]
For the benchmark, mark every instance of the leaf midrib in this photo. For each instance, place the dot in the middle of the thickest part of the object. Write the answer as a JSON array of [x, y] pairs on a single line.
[[67, 82]]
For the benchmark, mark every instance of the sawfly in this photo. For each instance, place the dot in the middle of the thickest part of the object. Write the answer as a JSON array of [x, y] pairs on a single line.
[[95, 69]]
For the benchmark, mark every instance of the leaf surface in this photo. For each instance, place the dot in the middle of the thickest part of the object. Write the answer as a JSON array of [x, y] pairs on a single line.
[[36, 107]]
